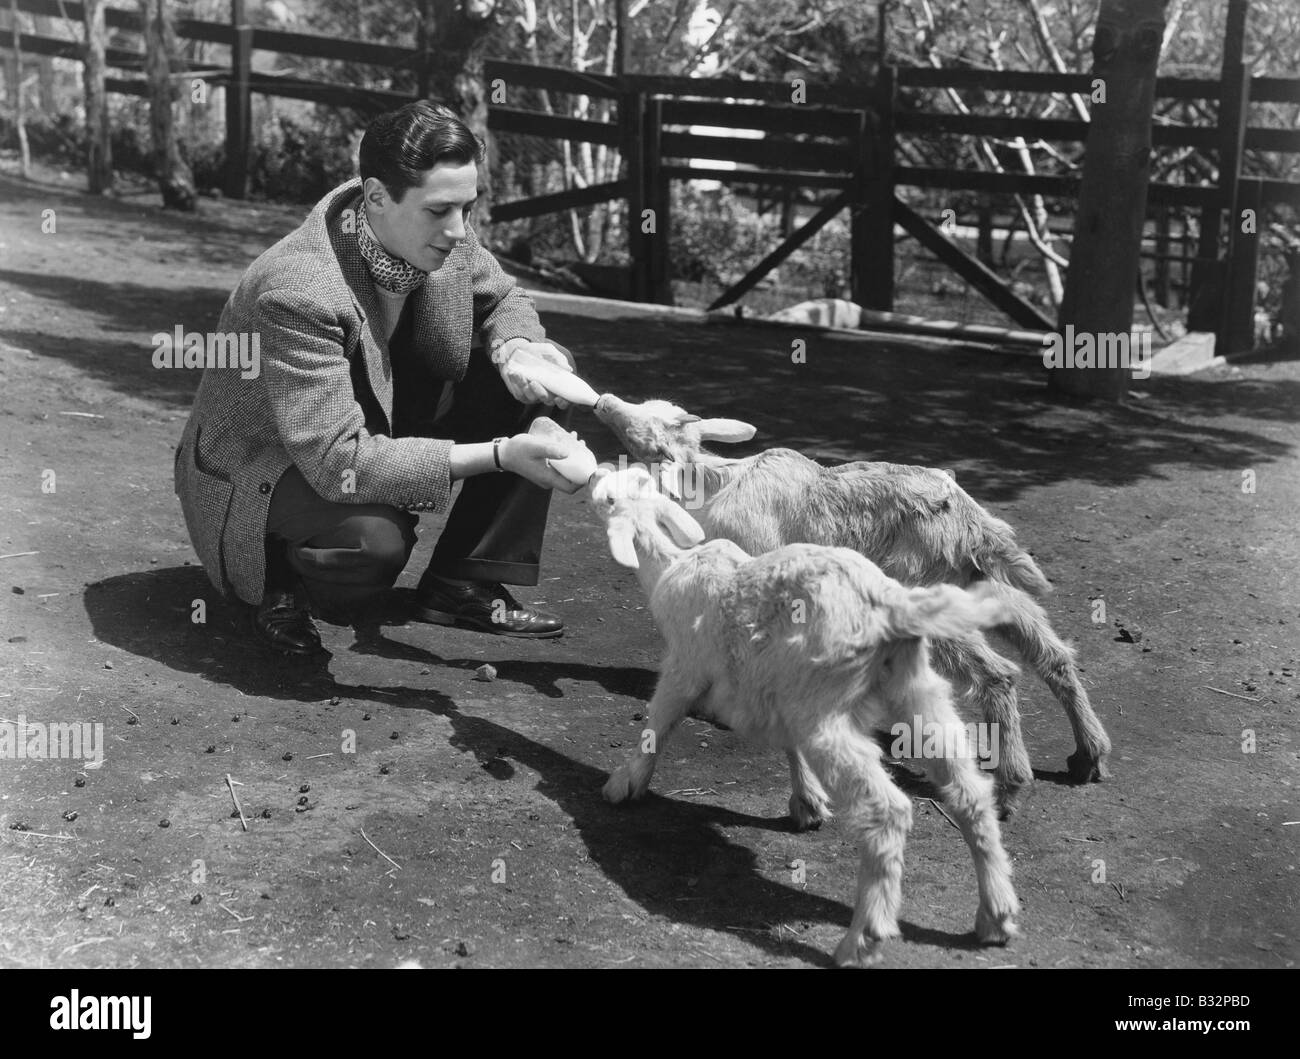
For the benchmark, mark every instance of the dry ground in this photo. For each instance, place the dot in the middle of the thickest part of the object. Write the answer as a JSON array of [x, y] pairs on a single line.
[[486, 795]]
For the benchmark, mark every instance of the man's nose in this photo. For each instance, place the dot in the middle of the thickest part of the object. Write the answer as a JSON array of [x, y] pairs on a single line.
[[456, 229]]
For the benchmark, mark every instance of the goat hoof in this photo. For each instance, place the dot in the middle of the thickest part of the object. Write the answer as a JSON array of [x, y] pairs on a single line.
[[618, 788], [1008, 800], [808, 816], [1085, 768], [859, 951], [991, 929]]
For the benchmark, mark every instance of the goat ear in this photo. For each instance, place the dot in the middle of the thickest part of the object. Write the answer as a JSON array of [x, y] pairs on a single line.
[[730, 430], [620, 543], [683, 529]]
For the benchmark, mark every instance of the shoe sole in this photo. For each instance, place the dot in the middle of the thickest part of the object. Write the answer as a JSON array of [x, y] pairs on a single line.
[[438, 617]]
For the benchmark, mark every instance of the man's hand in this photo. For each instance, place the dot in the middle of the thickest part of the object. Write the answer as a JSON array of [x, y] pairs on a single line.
[[522, 389], [526, 456]]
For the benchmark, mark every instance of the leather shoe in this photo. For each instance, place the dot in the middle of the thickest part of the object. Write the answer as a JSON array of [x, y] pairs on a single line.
[[284, 622], [485, 606]]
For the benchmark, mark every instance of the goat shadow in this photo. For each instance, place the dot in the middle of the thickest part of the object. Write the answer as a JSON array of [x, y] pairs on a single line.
[[669, 856]]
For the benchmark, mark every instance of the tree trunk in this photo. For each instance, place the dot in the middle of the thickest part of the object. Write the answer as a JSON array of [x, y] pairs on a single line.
[[20, 109], [99, 153], [46, 77], [458, 32], [175, 180], [1112, 200]]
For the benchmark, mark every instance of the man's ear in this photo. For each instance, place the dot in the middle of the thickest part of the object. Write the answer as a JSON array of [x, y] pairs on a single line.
[[620, 543], [374, 193]]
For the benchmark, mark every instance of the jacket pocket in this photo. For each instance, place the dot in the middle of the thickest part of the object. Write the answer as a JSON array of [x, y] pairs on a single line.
[[201, 463]]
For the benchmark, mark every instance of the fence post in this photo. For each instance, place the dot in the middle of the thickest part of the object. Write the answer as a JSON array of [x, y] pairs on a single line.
[[1208, 296], [423, 44], [871, 227], [1243, 271], [239, 112], [1162, 256], [631, 120], [1242, 251], [657, 198]]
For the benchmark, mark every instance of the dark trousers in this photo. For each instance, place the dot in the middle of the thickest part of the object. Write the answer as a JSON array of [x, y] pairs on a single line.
[[347, 555]]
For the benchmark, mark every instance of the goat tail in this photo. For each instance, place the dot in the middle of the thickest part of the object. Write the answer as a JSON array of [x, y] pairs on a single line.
[[1002, 561], [947, 612]]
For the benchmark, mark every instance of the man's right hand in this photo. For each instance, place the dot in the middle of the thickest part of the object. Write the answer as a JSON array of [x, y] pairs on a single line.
[[526, 456]]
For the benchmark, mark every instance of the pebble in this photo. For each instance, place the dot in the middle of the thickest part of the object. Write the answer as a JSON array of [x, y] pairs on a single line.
[[485, 673], [464, 948], [365, 716], [109, 902], [108, 665], [212, 749], [287, 756], [19, 591], [80, 781], [335, 700], [304, 788], [70, 815], [18, 639], [393, 736], [164, 822], [196, 899]]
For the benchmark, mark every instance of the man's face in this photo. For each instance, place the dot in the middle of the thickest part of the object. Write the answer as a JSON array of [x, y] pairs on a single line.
[[430, 219]]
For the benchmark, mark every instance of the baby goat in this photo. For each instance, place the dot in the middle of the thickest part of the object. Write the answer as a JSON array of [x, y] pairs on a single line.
[[809, 649], [916, 523]]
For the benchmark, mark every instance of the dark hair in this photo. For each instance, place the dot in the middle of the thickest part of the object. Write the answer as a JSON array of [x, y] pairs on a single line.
[[400, 147]]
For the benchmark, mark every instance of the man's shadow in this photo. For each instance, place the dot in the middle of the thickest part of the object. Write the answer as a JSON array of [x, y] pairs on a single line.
[[669, 856], [152, 614]]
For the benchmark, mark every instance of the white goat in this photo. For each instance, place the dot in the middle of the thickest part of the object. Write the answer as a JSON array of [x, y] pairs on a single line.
[[916, 523], [737, 652]]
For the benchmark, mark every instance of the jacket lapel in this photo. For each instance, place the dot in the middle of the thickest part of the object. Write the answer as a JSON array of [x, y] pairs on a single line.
[[444, 314], [374, 345]]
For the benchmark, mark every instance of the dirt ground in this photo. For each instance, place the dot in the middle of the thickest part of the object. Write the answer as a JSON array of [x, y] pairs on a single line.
[[484, 797]]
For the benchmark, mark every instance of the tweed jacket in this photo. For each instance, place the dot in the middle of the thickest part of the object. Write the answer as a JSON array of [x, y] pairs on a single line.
[[310, 301]]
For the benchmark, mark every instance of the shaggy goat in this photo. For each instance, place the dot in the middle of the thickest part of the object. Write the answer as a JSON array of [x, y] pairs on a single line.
[[916, 523], [808, 649]]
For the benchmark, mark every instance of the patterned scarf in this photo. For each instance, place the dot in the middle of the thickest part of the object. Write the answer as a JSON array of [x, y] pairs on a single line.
[[391, 273]]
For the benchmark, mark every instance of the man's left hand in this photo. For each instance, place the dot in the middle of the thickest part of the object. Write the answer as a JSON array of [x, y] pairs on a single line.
[[525, 390]]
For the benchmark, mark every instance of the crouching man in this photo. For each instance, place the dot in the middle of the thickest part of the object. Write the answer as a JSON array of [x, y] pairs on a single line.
[[299, 486]]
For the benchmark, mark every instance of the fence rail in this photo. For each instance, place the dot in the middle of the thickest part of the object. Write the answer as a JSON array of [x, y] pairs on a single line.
[[834, 140]]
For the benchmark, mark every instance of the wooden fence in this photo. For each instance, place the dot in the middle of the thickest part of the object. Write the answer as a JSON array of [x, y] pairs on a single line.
[[833, 141]]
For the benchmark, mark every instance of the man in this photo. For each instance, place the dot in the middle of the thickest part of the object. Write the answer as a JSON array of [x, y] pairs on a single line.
[[299, 485]]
